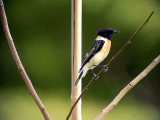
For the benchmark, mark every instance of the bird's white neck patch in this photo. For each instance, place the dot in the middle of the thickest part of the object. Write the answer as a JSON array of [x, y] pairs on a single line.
[[101, 38]]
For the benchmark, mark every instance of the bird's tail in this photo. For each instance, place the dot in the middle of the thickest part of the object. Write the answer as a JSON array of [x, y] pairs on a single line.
[[81, 75]]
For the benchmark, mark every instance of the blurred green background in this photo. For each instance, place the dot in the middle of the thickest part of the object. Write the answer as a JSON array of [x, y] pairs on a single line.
[[41, 30]]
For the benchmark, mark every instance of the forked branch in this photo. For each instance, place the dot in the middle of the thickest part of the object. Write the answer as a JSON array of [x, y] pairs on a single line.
[[108, 64], [19, 64]]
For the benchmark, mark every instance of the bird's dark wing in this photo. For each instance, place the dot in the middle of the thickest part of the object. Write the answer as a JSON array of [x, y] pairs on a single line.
[[95, 48]]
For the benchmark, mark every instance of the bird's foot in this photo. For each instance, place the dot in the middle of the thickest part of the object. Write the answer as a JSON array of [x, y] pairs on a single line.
[[105, 68], [95, 77]]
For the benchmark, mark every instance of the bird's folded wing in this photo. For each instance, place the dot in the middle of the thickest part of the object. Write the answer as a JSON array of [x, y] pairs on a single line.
[[95, 48]]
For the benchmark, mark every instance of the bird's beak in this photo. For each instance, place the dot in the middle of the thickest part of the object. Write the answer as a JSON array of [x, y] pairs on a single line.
[[116, 31]]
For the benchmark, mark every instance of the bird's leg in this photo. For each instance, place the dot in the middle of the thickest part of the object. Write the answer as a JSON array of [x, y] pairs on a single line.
[[95, 76], [105, 68]]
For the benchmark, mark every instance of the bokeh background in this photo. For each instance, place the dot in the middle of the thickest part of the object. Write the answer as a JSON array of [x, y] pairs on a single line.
[[42, 34]]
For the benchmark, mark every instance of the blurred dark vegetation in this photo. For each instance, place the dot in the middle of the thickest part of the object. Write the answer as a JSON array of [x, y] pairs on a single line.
[[41, 30]]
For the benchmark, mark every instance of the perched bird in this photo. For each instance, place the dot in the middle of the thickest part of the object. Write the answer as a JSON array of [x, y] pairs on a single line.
[[97, 52]]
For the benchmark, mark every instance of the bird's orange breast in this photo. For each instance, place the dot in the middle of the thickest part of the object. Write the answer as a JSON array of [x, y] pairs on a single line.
[[106, 47]]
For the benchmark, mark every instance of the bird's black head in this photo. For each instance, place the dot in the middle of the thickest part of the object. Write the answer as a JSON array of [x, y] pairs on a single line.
[[107, 32]]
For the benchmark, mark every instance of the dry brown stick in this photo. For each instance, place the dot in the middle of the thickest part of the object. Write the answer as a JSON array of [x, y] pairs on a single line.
[[126, 89], [107, 65], [19, 64], [76, 56]]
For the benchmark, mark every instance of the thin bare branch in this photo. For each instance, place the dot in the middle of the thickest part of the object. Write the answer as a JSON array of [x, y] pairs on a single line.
[[108, 64], [19, 64], [126, 89]]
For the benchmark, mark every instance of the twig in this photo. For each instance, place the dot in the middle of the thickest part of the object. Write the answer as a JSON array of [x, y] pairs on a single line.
[[19, 64], [126, 89], [112, 59]]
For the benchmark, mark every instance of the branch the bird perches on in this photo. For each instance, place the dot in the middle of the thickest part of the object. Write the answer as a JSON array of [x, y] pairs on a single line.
[[107, 65]]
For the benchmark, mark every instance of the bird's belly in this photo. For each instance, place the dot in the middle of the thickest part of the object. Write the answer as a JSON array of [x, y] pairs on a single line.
[[99, 57]]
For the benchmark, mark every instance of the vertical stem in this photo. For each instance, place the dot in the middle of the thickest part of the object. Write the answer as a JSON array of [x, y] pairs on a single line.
[[76, 55]]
